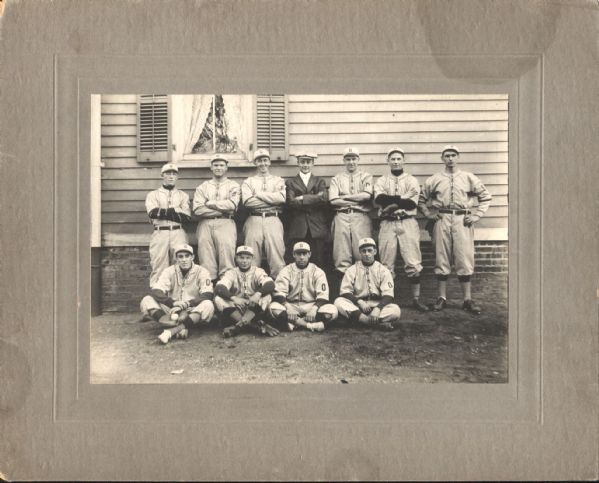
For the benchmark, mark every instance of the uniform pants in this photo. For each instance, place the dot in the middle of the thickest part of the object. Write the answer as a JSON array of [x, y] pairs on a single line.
[[162, 250], [348, 229], [205, 308], [265, 236], [302, 308], [222, 304], [389, 313], [216, 245], [405, 235], [451, 237]]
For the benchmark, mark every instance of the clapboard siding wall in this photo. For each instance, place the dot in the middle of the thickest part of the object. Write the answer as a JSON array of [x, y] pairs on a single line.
[[420, 124]]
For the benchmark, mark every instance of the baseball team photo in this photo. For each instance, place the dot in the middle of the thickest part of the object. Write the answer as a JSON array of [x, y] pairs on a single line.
[[295, 238]]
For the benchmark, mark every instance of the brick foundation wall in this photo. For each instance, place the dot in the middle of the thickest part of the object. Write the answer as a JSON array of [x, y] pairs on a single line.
[[126, 271]]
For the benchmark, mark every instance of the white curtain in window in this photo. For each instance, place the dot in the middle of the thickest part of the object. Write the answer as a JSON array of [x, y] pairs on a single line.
[[195, 112], [238, 116]]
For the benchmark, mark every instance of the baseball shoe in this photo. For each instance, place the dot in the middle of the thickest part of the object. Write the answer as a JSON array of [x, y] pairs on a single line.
[[290, 326], [470, 306], [230, 331], [440, 304], [419, 306], [165, 336], [386, 326], [182, 334], [315, 326]]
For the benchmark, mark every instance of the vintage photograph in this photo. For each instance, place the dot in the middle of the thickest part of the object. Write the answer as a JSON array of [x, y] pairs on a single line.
[[280, 238]]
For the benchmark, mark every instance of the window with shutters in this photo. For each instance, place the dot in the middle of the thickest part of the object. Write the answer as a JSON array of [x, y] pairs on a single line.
[[153, 128], [203, 126]]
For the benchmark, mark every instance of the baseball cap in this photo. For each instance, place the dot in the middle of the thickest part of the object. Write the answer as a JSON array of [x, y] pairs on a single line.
[[306, 154], [244, 249], [219, 158], [184, 247], [395, 150], [258, 153], [351, 150], [301, 247], [450, 147], [169, 167], [366, 242]]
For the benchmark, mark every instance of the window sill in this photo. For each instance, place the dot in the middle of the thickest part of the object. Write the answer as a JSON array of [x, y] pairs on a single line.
[[202, 161]]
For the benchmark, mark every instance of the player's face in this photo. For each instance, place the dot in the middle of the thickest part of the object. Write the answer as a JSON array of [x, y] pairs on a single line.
[[395, 161], [305, 165], [262, 164], [367, 254], [351, 162], [218, 168], [450, 158], [170, 177], [244, 260], [302, 258], [184, 260]]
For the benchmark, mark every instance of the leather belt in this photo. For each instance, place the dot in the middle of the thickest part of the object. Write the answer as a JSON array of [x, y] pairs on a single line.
[[223, 217], [349, 211], [454, 212], [264, 215], [396, 217], [170, 228]]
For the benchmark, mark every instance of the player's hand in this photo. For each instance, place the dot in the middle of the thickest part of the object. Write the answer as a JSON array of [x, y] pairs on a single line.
[[176, 308], [180, 305], [211, 205], [299, 198], [292, 316], [255, 300], [374, 319], [269, 330], [364, 306], [433, 216], [239, 302], [470, 220], [311, 315], [389, 209]]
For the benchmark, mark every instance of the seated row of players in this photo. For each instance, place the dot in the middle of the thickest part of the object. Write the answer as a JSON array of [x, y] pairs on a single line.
[[446, 199], [246, 297]]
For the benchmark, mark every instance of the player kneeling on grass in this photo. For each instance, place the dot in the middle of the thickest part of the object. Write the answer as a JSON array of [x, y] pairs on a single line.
[[243, 294], [366, 293], [301, 295], [181, 297]]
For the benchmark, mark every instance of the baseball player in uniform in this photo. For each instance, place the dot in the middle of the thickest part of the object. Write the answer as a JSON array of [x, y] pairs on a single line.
[[396, 194], [350, 194], [243, 295], [215, 202], [168, 209], [306, 208], [301, 296], [366, 294], [181, 297], [447, 199], [264, 196]]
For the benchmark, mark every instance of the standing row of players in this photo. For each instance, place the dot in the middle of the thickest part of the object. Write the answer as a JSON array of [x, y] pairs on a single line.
[[447, 200]]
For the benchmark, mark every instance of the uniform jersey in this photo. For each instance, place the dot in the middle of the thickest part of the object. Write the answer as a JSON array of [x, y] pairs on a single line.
[[271, 186], [226, 193], [244, 284], [189, 287], [164, 199], [374, 281], [350, 184], [455, 191], [302, 285], [404, 185]]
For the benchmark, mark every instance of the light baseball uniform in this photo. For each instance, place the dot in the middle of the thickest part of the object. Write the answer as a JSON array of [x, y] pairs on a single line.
[[373, 284], [399, 229], [172, 286], [263, 230], [351, 223], [217, 232], [168, 229], [243, 284], [455, 191], [298, 290]]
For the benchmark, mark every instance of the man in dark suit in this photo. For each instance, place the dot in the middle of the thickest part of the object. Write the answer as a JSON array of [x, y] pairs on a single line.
[[307, 209]]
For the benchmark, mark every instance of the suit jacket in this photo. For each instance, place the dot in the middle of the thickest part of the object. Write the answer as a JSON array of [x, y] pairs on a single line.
[[311, 212]]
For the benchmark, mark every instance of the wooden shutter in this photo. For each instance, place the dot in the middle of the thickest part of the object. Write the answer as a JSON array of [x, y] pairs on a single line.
[[152, 128], [271, 125]]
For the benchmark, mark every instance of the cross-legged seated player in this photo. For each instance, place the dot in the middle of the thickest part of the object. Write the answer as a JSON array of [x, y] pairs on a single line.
[[301, 295], [181, 297], [243, 295], [366, 294]]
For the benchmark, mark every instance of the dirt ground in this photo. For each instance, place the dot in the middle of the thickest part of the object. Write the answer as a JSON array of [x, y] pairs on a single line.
[[447, 346]]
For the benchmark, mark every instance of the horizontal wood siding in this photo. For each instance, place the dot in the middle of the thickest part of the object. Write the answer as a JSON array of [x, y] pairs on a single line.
[[420, 124]]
